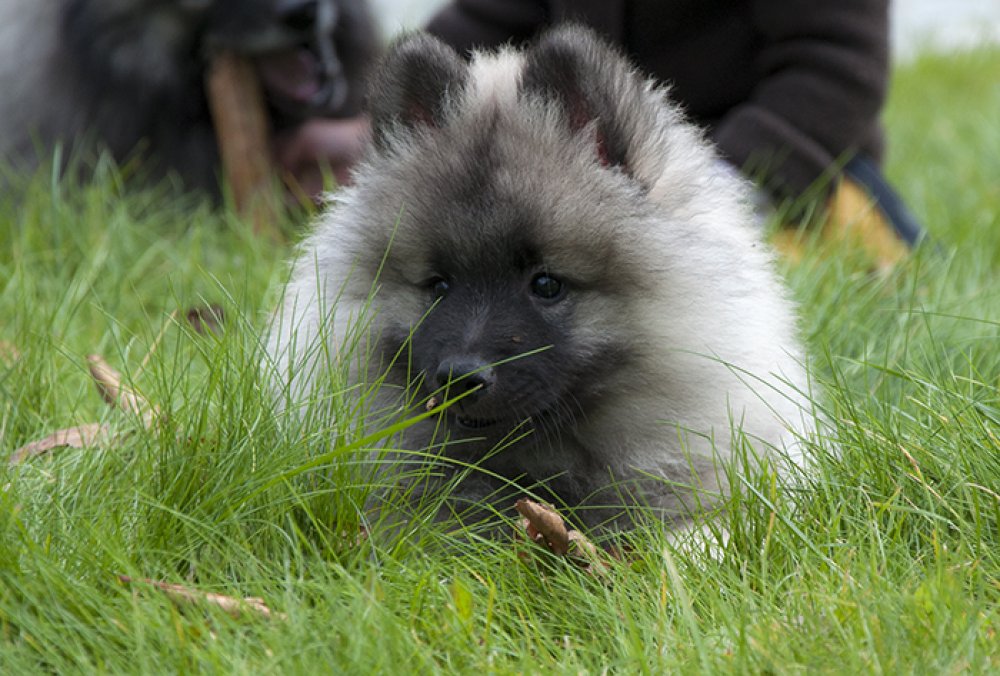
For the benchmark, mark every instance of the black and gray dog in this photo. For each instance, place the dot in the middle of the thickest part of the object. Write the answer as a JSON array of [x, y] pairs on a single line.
[[542, 232], [128, 75]]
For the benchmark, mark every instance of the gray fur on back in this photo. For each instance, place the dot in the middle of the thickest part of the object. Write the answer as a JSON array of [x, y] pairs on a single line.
[[673, 325]]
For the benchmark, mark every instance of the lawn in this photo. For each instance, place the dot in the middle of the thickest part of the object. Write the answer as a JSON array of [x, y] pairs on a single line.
[[885, 558]]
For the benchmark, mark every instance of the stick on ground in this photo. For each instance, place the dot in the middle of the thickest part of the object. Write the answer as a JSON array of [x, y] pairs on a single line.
[[90, 435], [236, 607], [116, 393]]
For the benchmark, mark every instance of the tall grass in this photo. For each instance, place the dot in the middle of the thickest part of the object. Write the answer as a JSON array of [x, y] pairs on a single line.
[[886, 558]]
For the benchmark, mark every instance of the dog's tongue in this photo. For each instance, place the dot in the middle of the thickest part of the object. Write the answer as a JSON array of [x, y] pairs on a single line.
[[293, 74]]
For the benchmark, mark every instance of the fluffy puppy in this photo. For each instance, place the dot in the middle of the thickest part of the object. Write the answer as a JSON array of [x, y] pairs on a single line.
[[542, 236]]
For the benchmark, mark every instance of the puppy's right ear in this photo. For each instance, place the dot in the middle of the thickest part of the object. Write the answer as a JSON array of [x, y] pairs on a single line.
[[412, 85]]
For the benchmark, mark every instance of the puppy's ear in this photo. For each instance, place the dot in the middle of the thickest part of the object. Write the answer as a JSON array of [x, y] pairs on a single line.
[[593, 84], [412, 85]]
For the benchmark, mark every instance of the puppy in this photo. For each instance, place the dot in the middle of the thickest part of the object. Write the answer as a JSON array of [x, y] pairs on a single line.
[[539, 238]]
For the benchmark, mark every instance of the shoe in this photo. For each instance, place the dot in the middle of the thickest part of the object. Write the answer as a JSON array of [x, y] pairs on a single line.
[[864, 214]]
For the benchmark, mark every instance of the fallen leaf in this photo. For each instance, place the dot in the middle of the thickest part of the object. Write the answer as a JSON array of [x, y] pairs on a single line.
[[82, 436], [544, 525], [236, 607], [206, 319], [115, 393]]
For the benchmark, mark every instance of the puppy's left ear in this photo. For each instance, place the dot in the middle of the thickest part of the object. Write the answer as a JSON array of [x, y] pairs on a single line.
[[593, 84], [413, 85]]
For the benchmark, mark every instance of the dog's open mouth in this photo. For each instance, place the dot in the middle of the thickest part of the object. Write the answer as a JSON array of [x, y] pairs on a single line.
[[303, 80], [295, 56]]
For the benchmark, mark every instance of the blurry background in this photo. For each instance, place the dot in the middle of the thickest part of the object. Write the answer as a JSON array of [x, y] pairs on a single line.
[[396, 14], [932, 24], [916, 24]]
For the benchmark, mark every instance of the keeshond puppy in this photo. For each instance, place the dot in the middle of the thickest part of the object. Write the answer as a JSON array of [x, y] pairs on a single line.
[[130, 74], [539, 238]]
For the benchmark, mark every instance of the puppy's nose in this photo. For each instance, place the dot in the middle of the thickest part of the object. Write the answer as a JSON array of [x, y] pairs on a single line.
[[299, 15], [465, 374]]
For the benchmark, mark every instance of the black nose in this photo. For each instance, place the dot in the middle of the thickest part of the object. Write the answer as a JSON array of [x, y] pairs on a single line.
[[299, 15], [465, 374]]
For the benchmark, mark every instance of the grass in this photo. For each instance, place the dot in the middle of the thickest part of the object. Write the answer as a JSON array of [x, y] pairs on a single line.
[[887, 559]]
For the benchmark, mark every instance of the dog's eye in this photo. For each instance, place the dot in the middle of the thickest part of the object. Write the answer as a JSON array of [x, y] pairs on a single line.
[[546, 286], [439, 286]]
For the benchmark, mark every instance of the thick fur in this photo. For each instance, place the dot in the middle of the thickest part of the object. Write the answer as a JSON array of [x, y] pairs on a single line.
[[129, 75], [545, 234]]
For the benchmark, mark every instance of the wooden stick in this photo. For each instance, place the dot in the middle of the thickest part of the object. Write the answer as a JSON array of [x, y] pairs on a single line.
[[236, 100]]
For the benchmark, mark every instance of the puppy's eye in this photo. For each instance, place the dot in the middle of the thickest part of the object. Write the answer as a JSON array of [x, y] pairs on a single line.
[[439, 286], [546, 286]]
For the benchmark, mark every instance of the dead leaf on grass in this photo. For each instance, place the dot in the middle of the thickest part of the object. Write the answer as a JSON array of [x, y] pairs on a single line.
[[116, 393], [236, 607], [94, 435], [543, 525], [206, 319], [90, 435]]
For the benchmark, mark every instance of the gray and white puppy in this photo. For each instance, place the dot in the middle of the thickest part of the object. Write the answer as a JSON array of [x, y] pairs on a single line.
[[129, 75], [544, 233]]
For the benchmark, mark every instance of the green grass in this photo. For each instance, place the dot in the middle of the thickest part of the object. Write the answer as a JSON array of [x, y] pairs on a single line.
[[886, 559]]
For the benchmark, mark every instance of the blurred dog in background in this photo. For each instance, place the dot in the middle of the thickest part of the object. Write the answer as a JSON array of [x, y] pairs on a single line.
[[128, 76]]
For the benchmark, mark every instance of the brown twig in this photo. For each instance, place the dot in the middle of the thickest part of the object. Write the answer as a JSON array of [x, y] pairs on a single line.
[[236, 607], [116, 393], [81, 436], [89, 435]]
